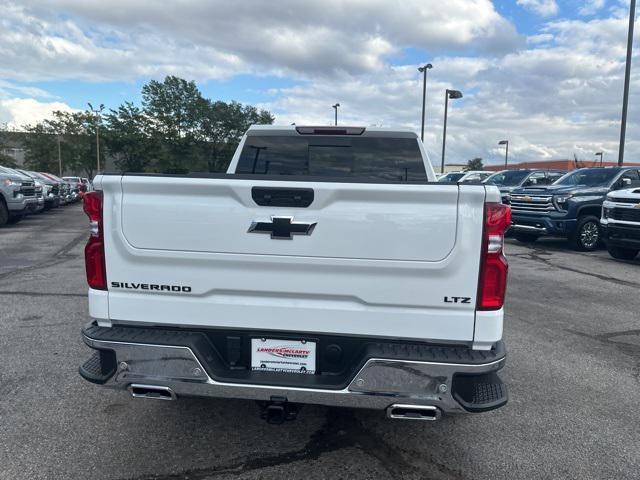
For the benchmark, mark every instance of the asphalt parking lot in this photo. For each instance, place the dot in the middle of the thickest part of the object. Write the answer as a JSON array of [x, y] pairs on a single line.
[[572, 331]]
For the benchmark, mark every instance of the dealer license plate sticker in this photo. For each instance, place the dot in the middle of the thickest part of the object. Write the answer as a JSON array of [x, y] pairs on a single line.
[[287, 356]]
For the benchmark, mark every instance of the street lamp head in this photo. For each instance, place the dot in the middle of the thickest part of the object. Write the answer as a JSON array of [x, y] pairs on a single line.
[[503, 142], [428, 66], [336, 105], [454, 94], [599, 153]]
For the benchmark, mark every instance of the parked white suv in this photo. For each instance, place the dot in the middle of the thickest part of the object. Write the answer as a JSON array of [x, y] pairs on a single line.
[[468, 176], [325, 267], [621, 223]]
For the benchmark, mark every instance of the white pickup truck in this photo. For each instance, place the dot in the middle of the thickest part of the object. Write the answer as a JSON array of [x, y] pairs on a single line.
[[620, 223], [325, 267]]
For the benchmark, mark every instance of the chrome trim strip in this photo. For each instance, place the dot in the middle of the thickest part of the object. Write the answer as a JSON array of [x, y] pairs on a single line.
[[528, 228]]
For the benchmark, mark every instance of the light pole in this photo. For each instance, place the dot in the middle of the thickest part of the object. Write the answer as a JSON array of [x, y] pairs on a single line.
[[627, 75], [453, 94], [335, 107], [423, 70], [600, 154], [59, 157], [98, 112], [506, 152]]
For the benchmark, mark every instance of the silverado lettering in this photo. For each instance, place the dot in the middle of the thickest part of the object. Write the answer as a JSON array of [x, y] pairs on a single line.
[[151, 286]]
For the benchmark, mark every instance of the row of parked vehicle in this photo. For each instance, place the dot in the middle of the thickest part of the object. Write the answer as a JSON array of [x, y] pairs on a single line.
[[23, 192], [587, 206]]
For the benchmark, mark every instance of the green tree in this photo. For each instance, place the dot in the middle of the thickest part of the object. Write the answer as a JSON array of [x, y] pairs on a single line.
[[175, 130], [73, 133], [474, 164], [77, 140], [190, 132], [5, 160], [127, 138], [174, 110], [41, 148], [223, 127]]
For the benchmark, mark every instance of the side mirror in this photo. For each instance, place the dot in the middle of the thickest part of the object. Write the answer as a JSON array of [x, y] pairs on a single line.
[[622, 183]]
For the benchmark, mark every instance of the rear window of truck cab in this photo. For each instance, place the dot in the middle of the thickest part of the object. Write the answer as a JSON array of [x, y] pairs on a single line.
[[374, 158]]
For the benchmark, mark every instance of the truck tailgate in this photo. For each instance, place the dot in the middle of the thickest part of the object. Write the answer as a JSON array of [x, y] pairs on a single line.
[[369, 259]]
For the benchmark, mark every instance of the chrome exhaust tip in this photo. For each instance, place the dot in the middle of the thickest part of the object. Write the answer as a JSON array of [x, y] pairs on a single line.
[[154, 392], [414, 412]]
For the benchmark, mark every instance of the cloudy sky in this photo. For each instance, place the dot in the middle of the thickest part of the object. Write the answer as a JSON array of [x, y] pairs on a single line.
[[545, 74]]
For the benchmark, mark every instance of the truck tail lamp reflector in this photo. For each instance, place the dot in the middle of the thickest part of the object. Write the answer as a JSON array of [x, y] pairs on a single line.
[[94, 251], [492, 282]]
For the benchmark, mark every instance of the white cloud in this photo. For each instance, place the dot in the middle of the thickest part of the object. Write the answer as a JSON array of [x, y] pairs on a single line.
[[544, 8], [539, 39], [17, 112], [9, 89], [555, 94], [120, 39], [591, 6], [550, 102]]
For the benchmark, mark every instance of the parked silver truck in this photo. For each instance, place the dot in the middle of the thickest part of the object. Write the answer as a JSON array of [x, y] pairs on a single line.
[[17, 194]]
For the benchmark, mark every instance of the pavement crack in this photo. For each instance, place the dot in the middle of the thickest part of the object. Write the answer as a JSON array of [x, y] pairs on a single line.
[[341, 430], [60, 256], [44, 294], [631, 349], [538, 255], [42, 325]]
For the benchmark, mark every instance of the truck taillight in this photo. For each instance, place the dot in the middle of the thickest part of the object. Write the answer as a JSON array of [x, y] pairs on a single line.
[[492, 282], [94, 251]]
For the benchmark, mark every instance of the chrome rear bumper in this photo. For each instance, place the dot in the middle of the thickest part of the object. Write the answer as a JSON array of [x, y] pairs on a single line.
[[379, 384]]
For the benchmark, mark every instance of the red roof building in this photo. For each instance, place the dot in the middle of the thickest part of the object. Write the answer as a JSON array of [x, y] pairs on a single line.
[[558, 164]]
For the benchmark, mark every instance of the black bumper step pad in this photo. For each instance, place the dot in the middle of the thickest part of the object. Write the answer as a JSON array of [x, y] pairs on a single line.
[[196, 340], [480, 393], [436, 353], [100, 367]]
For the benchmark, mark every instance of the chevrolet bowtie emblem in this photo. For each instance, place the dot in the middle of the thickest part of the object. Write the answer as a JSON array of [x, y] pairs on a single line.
[[282, 227]]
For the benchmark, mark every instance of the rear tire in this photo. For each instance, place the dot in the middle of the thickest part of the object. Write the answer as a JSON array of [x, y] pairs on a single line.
[[587, 236], [4, 213], [622, 253], [525, 237]]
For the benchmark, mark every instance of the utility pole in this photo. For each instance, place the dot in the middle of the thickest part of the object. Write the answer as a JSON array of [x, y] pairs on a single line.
[[627, 75], [98, 113], [59, 158], [424, 69]]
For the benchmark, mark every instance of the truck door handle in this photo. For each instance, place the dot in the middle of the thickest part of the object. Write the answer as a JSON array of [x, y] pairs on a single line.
[[282, 197]]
